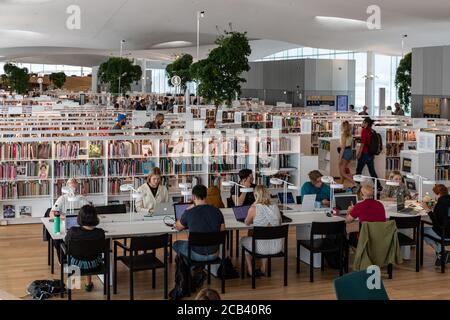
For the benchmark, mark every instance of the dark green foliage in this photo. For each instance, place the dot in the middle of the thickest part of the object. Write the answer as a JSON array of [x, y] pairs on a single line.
[[403, 81], [110, 71], [180, 67], [58, 79], [17, 78]]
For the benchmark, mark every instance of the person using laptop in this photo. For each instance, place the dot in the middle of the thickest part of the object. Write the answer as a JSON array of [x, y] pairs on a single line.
[[262, 214], [390, 193], [153, 192], [201, 218], [62, 204], [317, 187], [439, 217], [86, 230], [244, 198]]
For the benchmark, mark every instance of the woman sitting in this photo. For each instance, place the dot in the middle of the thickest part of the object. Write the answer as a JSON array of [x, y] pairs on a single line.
[[153, 192], [390, 193]]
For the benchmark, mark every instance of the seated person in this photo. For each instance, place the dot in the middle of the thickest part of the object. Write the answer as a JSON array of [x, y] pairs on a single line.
[[62, 204], [214, 197], [390, 193], [244, 198], [368, 210], [153, 192], [262, 214], [201, 218], [210, 123], [87, 220], [317, 187], [157, 123], [438, 216]]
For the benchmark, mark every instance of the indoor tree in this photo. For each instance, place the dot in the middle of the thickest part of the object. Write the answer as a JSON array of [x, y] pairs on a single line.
[[17, 77], [403, 81], [219, 75], [180, 67], [58, 79], [110, 71]]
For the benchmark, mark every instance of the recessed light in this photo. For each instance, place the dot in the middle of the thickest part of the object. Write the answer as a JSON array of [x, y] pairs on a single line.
[[340, 21], [173, 44]]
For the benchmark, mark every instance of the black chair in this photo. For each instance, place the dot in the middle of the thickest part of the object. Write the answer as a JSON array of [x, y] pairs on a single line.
[[298, 199], [412, 222], [442, 240], [333, 241], [230, 204], [87, 248], [267, 233], [136, 262], [202, 239], [111, 209]]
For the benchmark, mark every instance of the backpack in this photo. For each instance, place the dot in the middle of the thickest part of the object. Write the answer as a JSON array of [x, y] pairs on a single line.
[[376, 144], [182, 272], [228, 269], [44, 289]]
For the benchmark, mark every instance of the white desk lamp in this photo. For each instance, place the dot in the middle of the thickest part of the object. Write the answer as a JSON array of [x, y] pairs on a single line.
[[422, 181], [186, 192], [71, 197], [236, 190], [134, 195], [286, 186], [360, 178], [333, 185]]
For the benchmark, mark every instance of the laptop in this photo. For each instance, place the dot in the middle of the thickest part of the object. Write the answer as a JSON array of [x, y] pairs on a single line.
[[308, 202], [163, 209], [240, 213], [179, 209], [289, 197], [343, 201], [401, 206], [177, 199], [71, 221]]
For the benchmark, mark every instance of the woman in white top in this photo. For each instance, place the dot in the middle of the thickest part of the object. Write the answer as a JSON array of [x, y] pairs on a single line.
[[262, 214], [153, 192], [62, 204]]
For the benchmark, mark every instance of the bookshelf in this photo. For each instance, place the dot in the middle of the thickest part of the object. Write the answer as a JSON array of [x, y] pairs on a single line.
[[329, 157]]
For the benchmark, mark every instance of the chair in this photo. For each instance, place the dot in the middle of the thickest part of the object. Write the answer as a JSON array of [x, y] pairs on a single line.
[[111, 209], [267, 233], [230, 204], [412, 222], [77, 248], [136, 262], [298, 199], [442, 240], [202, 239], [353, 286], [323, 244]]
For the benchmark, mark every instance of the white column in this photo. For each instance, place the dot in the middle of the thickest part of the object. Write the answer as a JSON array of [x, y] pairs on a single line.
[[94, 80], [370, 82]]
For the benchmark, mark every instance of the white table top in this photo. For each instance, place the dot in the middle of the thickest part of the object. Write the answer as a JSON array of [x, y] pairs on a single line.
[[119, 225]]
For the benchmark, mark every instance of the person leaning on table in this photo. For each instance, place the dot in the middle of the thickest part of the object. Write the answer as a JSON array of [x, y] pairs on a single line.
[[62, 204], [153, 192], [317, 187]]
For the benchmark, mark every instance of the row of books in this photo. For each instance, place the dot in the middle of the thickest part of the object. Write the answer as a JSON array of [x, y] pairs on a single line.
[[10, 171], [91, 168], [128, 149], [324, 145], [321, 125], [442, 173], [130, 167], [115, 183], [85, 186], [233, 146], [393, 150], [392, 164], [393, 135], [442, 157], [275, 145], [442, 141], [25, 151], [12, 190], [172, 166]]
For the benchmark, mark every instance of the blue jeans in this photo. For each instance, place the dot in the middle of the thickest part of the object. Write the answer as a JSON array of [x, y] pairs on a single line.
[[429, 231], [181, 247]]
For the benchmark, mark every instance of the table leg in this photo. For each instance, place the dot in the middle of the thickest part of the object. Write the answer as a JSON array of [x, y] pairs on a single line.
[[237, 243], [52, 256], [48, 251], [422, 226], [231, 243]]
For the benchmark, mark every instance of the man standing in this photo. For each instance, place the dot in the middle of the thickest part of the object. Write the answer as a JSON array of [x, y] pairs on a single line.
[[363, 155]]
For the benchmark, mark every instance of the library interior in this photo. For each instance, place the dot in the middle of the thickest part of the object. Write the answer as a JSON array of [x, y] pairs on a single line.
[[233, 150]]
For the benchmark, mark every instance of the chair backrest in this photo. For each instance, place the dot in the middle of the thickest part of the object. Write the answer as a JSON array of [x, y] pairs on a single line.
[[298, 199], [202, 239], [111, 209], [407, 222], [328, 228], [270, 233], [149, 242], [87, 248], [45, 234], [354, 286], [230, 203]]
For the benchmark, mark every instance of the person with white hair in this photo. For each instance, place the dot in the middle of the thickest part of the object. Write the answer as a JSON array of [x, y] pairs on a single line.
[[62, 204]]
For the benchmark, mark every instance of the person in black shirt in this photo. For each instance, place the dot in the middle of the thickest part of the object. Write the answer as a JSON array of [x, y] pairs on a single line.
[[439, 217], [87, 220], [138, 105], [155, 125], [200, 218], [244, 198]]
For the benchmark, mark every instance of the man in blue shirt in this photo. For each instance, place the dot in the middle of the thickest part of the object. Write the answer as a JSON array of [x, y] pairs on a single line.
[[317, 187]]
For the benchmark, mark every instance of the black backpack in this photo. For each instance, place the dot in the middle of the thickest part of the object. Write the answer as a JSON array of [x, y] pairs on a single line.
[[44, 289], [182, 272], [228, 269], [376, 144]]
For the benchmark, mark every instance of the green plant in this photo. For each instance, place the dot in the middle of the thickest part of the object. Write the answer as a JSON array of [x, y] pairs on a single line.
[[110, 71], [17, 77], [403, 81], [58, 79], [180, 67], [219, 74]]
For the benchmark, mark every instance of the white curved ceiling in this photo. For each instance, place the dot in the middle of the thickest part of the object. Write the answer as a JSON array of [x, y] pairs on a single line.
[[35, 30]]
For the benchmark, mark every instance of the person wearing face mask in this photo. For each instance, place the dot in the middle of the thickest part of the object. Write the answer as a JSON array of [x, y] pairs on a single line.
[[157, 124], [439, 217], [317, 187], [390, 193], [153, 192]]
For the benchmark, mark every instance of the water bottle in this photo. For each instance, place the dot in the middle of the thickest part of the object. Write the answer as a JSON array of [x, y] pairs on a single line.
[[349, 190], [57, 221]]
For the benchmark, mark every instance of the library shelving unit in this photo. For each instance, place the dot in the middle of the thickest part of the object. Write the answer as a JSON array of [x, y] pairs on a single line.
[[328, 156]]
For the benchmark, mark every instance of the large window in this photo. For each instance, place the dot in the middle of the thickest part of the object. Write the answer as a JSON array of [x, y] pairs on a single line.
[[50, 68], [160, 83], [385, 70]]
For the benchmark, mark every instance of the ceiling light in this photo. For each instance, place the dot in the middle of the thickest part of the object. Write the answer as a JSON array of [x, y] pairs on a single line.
[[25, 1], [19, 33], [173, 44], [340, 21]]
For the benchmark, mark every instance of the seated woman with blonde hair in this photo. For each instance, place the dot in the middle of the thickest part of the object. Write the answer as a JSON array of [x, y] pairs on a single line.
[[262, 214], [153, 192]]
